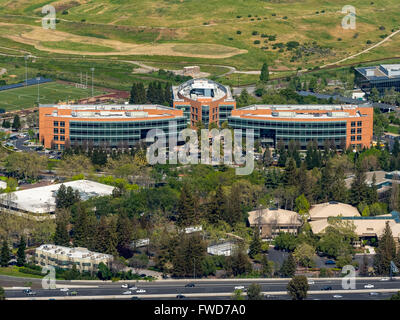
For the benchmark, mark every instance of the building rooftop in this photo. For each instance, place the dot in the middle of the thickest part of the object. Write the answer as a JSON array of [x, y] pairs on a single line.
[[201, 89], [73, 253], [274, 216], [42, 199], [381, 72], [332, 209]]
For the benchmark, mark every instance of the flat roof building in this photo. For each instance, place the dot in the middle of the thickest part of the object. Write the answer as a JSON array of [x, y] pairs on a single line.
[[104, 125], [65, 258], [274, 221], [42, 199], [203, 100], [382, 77], [344, 125]]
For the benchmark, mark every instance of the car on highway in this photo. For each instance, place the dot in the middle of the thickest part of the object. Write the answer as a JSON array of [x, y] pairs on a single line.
[[135, 298], [385, 279], [337, 296], [127, 292], [73, 293], [140, 291], [132, 288], [64, 289], [239, 287], [124, 286], [180, 296], [190, 285], [31, 293], [330, 262], [369, 286], [26, 291], [310, 282], [374, 294], [327, 288]]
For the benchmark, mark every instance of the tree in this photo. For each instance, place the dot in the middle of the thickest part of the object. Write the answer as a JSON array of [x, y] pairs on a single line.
[[125, 233], [290, 176], [385, 252], [240, 262], [218, 206], [267, 267], [21, 258], [374, 95], [264, 76], [304, 254], [2, 294], [5, 254], [297, 287], [186, 207], [104, 273], [302, 206], [61, 235], [254, 292], [16, 123], [237, 295], [255, 245], [395, 296], [288, 267]]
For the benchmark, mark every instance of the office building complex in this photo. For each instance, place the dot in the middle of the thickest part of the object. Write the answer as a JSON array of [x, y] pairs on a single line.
[[65, 258], [383, 77], [105, 125], [344, 125], [203, 100]]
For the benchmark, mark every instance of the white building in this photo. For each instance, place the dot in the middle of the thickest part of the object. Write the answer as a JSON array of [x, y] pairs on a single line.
[[42, 199]]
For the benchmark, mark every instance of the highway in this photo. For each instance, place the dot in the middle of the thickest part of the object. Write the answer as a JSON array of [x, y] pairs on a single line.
[[204, 289]]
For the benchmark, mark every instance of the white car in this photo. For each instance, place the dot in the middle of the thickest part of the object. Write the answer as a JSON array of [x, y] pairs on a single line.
[[127, 292], [311, 282], [140, 291], [337, 296], [124, 286], [385, 279], [239, 287], [64, 289], [369, 286], [374, 294], [132, 288]]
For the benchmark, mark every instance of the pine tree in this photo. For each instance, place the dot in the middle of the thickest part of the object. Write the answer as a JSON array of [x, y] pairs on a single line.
[[16, 123], [288, 268], [218, 206], [61, 197], [266, 266], [21, 258], [290, 172], [5, 254], [125, 232], [186, 207], [82, 228], [264, 76], [359, 189], [385, 253], [134, 94], [255, 245], [61, 235], [234, 205]]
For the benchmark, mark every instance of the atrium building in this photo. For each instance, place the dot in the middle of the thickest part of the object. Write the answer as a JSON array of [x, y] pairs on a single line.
[[344, 125], [382, 77]]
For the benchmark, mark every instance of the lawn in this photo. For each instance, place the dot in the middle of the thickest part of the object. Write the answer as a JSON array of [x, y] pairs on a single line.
[[22, 98], [14, 272]]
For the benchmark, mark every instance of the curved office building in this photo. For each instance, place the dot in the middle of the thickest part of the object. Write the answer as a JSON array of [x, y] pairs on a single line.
[[345, 125], [203, 100], [104, 125]]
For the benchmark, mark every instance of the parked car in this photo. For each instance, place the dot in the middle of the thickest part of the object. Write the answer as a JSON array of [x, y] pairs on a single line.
[[330, 262], [369, 286]]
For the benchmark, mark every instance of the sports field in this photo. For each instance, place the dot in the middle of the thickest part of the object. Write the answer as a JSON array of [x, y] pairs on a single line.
[[22, 98]]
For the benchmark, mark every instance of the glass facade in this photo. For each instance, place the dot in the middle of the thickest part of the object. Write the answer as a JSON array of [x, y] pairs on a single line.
[[205, 115], [224, 112], [186, 111], [114, 134], [303, 132]]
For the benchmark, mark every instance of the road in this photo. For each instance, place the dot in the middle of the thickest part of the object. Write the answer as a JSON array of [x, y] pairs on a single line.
[[204, 289]]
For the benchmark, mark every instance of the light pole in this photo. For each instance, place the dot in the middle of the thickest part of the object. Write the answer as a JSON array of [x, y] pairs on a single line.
[[194, 268], [92, 79], [38, 86], [26, 57]]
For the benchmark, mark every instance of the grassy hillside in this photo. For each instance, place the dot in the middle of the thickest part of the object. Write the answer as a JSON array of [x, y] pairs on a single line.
[[289, 34]]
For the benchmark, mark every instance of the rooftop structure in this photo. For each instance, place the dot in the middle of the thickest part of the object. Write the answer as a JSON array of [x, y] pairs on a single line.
[[384, 76], [274, 221], [343, 125], [332, 209], [203, 100], [104, 125], [222, 249], [42, 199], [65, 257]]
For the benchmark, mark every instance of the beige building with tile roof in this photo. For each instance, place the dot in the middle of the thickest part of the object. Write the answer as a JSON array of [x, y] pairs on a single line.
[[274, 221], [332, 209]]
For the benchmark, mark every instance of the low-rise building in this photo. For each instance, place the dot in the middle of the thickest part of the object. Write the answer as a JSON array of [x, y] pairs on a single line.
[[326, 210], [273, 221], [65, 258]]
